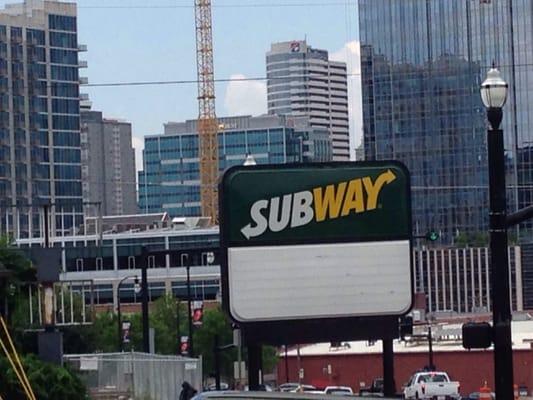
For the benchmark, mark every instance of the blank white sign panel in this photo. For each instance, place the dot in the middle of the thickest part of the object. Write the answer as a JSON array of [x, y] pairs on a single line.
[[319, 280]]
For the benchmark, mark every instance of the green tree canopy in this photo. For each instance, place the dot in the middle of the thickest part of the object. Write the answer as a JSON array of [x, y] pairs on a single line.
[[48, 381]]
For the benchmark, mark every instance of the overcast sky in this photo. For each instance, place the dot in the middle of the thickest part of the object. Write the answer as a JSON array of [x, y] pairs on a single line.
[[154, 40]]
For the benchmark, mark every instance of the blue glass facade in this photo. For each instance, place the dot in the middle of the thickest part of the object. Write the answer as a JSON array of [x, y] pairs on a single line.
[[170, 180], [39, 124], [422, 63]]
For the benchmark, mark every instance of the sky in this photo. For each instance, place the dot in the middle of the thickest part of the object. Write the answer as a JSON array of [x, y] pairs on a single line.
[[154, 40]]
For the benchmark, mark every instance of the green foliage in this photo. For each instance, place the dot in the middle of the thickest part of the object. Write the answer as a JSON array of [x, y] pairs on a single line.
[[15, 261], [48, 381], [478, 239], [215, 323], [101, 336], [21, 272], [270, 358]]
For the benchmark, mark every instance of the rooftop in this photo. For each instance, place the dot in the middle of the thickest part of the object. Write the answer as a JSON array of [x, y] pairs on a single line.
[[522, 332]]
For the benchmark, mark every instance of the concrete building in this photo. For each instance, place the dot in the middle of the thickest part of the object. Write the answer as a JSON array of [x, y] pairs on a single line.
[[422, 64], [108, 164], [40, 161], [302, 80], [457, 280], [105, 259], [170, 179]]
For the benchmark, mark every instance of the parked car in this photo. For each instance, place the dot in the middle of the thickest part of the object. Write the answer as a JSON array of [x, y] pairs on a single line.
[[262, 388], [523, 391], [338, 390], [376, 389], [431, 385], [303, 388], [287, 387], [213, 386], [234, 395]]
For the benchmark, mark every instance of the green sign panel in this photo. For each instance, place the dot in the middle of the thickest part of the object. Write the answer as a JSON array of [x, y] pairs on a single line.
[[315, 203]]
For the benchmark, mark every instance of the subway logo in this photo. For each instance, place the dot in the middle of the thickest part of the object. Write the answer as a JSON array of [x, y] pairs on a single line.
[[323, 203]]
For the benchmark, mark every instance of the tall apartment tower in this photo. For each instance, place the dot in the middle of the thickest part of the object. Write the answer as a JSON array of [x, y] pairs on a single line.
[[422, 64], [40, 160], [108, 164], [302, 80]]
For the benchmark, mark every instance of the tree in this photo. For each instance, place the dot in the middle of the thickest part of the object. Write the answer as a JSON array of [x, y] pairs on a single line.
[[477, 239], [215, 323], [21, 271], [48, 381]]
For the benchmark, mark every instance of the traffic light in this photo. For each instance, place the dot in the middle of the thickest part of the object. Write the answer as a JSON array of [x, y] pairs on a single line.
[[477, 335], [432, 236], [406, 326]]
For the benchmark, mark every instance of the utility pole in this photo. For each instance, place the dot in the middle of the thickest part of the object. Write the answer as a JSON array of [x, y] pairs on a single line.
[[178, 334], [430, 343]]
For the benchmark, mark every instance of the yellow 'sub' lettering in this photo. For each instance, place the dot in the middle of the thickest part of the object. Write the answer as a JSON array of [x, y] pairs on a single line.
[[329, 202]]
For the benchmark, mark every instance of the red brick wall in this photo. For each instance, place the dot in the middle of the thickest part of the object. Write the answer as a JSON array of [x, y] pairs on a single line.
[[471, 369]]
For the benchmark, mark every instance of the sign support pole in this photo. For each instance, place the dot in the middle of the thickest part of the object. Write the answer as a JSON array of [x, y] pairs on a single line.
[[254, 365], [389, 388]]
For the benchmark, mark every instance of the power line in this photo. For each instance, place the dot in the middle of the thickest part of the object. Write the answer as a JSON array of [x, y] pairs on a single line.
[[195, 81], [251, 79]]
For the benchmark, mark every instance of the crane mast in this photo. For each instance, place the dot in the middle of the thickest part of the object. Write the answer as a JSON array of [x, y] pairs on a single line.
[[207, 120]]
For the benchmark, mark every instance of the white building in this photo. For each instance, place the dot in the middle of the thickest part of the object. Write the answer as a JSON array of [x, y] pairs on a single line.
[[303, 81]]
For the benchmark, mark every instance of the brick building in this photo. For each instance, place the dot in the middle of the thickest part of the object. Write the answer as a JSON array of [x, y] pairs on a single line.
[[357, 364]]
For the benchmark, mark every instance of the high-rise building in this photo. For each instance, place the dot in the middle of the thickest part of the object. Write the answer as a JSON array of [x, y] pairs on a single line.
[[108, 164], [40, 160], [170, 179], [302, 80], [422, 64]]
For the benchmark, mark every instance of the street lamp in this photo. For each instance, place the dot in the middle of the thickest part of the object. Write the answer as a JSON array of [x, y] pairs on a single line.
[[137, 289], [249, 161], [191, 343], [494, 95]]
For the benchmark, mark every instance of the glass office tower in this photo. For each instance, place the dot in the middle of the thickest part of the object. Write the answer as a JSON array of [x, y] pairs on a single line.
[[39, 118], [422, 64], [170, 179]]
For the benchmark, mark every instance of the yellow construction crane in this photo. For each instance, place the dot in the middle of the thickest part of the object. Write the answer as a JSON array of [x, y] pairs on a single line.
[[207, 120]]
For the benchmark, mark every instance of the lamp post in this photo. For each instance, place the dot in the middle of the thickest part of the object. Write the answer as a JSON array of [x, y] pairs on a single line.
[[137, 289], [494, 95], [191, 348]]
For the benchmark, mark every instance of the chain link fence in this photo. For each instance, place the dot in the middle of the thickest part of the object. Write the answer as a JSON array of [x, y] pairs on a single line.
[[136, 376]]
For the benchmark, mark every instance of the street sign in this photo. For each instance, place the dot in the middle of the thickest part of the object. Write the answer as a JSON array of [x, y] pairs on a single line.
[[316, 241]]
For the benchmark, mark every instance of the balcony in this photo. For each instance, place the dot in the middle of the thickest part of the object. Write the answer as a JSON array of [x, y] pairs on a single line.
[[84, 80], [82, 47], [84, 96], [82, 64]]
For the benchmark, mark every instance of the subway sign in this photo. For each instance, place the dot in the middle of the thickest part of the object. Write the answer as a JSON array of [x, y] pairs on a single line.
[[313, 241], [321, 203]]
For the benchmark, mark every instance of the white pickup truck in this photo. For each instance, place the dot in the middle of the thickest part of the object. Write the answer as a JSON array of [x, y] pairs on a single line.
[[433, 386]]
